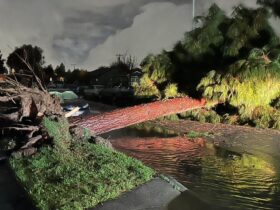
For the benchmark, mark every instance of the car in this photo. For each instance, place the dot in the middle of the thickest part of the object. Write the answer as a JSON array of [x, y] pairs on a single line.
[[69, 105]]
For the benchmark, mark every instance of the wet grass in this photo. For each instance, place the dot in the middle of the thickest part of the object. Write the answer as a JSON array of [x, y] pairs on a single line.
[[77, 174]]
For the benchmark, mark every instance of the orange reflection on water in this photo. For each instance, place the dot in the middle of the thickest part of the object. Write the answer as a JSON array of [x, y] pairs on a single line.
[[166, 155], [178, 144]]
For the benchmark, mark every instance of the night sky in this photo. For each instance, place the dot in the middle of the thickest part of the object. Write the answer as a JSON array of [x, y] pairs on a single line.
[[90, 33]]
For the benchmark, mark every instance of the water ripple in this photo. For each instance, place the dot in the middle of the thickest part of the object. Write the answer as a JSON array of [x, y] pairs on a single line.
[[233, 181]]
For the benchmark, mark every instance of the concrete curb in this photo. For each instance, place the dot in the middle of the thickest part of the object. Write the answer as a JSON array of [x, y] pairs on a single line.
[[161, 193]]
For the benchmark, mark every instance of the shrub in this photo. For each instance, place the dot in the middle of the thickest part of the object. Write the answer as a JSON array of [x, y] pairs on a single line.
[[147, 88], [171, 91]]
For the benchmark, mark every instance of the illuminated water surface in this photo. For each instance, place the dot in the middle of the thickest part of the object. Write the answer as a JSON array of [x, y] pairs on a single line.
[[219, 177]]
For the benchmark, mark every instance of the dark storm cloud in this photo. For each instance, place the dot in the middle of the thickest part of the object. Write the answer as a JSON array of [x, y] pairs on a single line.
[[95, 26], [90, 32]]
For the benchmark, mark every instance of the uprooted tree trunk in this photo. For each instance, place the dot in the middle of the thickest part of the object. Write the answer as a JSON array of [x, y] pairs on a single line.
[[22, 109], [33, 102], [121, 118]]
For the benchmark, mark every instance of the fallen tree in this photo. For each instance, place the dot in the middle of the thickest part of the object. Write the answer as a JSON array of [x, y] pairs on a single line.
[[25, 107], [121, 118]]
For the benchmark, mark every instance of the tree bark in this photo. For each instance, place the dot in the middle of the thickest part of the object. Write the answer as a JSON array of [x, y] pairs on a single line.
[[121, 118]]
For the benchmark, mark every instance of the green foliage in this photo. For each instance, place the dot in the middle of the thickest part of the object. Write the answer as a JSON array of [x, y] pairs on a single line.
[[76, 174], [202, 115], [246, 25], [252, 85], [225, 36], [231, 119], [151, 129], [158, 67], [172, 117], [205, 39], [157, 72], [59, 131], [171, 91], [194, 134], [147, 88], [248, 84], [266, 117]]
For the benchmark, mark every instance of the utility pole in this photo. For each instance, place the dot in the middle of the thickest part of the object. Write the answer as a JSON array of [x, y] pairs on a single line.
[[193, 14]]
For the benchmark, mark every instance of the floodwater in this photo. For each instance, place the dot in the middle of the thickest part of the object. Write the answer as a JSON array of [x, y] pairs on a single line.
[[221, 178]]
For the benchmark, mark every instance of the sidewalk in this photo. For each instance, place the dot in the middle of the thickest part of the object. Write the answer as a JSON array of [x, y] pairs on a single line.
[[157, 194]]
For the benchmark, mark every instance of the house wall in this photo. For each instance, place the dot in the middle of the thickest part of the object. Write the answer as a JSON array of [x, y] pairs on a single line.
[[110, 78]]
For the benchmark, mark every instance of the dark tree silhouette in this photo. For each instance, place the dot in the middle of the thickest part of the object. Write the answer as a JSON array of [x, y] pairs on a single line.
[[78, 76], [125, 61], [60, 70], [49, 73], [27, 54], [274, 5], [2, 67]]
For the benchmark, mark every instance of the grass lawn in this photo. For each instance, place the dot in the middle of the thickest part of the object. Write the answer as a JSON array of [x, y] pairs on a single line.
[[76, 174]]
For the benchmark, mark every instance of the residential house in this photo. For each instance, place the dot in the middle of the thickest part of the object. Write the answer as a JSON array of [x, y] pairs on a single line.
[[114, 76]]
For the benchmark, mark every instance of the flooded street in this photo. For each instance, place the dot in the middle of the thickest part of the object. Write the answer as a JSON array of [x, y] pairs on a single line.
[[219, 177]]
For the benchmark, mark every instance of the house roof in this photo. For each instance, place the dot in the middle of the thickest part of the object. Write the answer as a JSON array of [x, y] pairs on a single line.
[[104, 70]]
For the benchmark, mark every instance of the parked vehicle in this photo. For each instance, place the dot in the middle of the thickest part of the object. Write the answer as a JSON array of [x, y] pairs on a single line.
[[66, 95], [84, 108], [69, 101]]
